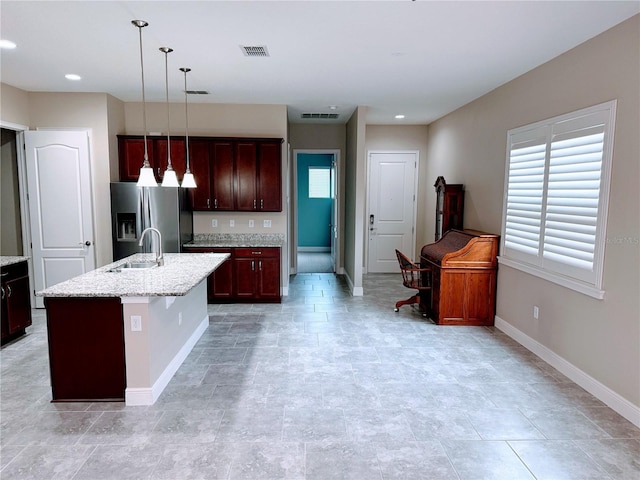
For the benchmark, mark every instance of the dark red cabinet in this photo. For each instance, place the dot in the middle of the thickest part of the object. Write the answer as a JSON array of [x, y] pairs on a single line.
[[15, 313]]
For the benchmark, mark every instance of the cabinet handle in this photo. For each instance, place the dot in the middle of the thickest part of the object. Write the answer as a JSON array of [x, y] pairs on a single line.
[[5, 274], [256, 253], [253, 265], [261, 204], [8, 291], [2, 294], [260, 265], [208, 203], [215, 203], [254, 203]]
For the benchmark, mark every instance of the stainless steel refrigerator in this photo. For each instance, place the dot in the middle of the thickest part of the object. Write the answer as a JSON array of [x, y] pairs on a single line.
[[135, 208]]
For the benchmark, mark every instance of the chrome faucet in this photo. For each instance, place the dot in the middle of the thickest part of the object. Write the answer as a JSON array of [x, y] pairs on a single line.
[[159, 257]]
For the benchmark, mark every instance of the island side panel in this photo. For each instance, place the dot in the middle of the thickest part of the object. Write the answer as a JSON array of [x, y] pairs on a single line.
[[86, 349], [170, 327]]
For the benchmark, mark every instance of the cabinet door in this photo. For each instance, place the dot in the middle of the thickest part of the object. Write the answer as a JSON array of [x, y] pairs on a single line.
[[178, 161], [269, 177], [131, 157], [220, 282], [222, 176], [244, 277], [246, 174], [200, 167], [268, 278], [18, 304]]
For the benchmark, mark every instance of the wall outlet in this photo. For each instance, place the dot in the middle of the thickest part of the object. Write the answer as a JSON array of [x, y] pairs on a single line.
[[136, 323], [232, 223], [250, 223], [214, 222], [536, 312], [267, 224]]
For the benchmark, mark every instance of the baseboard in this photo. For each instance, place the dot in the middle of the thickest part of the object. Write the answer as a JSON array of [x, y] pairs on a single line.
[[314, 249], [355, 291], [603, 393], [148, 396]]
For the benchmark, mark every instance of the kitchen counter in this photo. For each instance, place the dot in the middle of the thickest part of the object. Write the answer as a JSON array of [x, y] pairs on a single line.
[[121, 335], [6, 260], [180, 273], [230, 240]]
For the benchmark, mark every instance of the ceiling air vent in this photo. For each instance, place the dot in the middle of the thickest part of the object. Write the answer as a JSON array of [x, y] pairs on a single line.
[[254, 50], [324, 116], [197, 92]]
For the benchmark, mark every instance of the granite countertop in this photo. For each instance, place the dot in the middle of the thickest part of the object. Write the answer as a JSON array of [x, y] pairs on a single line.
[[6, 260], [179, 274], [237, 240]]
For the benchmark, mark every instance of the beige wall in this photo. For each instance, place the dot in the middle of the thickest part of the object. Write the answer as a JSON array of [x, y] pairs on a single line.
[[599, 337], [14, 105], [408, 137]]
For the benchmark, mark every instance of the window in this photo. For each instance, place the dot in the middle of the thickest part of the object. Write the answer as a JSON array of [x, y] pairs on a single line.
[[556, 196], [319, 182]]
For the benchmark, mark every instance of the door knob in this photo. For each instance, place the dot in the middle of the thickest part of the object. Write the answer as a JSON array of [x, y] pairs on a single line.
[[87, 243]]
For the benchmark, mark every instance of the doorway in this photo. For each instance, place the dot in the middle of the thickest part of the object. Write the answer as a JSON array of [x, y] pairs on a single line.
[[391, 208], [315, 246]]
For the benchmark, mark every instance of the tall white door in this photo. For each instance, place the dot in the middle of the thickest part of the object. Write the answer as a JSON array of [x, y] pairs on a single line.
[[391, 208], [60, 211], [333, 226]]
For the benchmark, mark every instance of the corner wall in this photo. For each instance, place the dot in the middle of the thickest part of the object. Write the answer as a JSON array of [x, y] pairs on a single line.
[[599, 337]]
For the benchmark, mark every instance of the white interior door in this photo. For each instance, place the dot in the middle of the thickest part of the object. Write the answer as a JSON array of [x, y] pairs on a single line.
[[391, 215], [60, 212], [334, 216]]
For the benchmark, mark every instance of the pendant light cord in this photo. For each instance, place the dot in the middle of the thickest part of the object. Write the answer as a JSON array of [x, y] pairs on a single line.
[[166, 51], [140, 24], [186, 117]]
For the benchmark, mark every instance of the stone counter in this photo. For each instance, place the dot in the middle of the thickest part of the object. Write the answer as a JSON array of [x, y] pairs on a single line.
[[230, 240], [179, 274]]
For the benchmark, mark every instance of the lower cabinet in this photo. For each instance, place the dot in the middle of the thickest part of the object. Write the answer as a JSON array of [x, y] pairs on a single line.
[[16, 301], [249, 275]]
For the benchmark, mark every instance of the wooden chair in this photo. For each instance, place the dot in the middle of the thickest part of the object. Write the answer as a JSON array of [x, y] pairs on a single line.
[[414, 277]]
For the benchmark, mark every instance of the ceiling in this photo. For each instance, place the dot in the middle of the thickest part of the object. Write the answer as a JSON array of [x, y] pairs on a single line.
[[422, 59]]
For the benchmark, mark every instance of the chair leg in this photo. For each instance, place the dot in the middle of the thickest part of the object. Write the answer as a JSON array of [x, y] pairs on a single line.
[[412, 300]]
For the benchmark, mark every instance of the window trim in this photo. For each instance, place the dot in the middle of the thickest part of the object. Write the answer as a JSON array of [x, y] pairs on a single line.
[[521, 262]]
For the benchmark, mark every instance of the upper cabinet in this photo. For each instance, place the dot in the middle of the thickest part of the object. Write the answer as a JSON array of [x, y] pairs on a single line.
[[231, 174], [131, 156]]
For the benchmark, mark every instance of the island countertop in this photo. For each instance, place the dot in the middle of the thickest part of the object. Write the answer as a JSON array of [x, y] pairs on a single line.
[[179, 274]]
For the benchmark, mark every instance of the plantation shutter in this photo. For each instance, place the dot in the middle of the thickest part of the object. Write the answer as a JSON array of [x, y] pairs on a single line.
[[525, 195], [573, 196]]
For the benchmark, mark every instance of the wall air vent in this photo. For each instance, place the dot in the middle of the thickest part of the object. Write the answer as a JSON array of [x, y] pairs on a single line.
[[255, 50], [323, 116], [197, 92]]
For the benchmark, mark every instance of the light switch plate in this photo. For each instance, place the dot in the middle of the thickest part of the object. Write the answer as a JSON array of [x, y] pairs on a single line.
[[250, 223], [267, 224], [214, 222], [232, 223]]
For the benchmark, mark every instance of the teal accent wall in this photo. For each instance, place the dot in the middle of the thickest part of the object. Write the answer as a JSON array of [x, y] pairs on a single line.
[[314, 214]]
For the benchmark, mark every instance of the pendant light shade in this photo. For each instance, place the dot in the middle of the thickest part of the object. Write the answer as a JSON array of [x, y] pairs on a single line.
[[170, 179], [188, 181], [146, 177]]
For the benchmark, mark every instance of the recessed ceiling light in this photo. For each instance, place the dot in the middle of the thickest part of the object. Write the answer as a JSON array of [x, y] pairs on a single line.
[[399, 117], [333, 107], [8, 44], [72, 76]]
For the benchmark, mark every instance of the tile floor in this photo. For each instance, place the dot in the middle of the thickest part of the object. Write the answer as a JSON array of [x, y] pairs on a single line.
[[324, 386]]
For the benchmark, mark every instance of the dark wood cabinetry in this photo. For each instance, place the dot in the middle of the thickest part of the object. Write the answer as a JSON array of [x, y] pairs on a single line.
[[16, 300], [249, 275], [449, 206], [131, 156], [86, 349], [231, 174]]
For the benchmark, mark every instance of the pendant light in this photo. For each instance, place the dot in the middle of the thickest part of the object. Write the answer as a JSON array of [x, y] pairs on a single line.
[[169, 179], [188, 181], [146, 177]]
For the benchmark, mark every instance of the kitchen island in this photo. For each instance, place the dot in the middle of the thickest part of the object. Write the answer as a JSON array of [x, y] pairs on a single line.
[[121, 333]]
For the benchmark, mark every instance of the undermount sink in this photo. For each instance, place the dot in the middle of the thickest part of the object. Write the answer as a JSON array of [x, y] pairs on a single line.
[[134, 266]]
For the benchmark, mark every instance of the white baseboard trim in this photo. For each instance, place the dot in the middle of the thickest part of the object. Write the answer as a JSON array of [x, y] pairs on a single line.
[[148, 396], [284, 291], [603, 393], [355, 291]]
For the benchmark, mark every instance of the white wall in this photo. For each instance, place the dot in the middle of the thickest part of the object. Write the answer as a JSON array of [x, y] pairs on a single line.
[[599, 337]]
